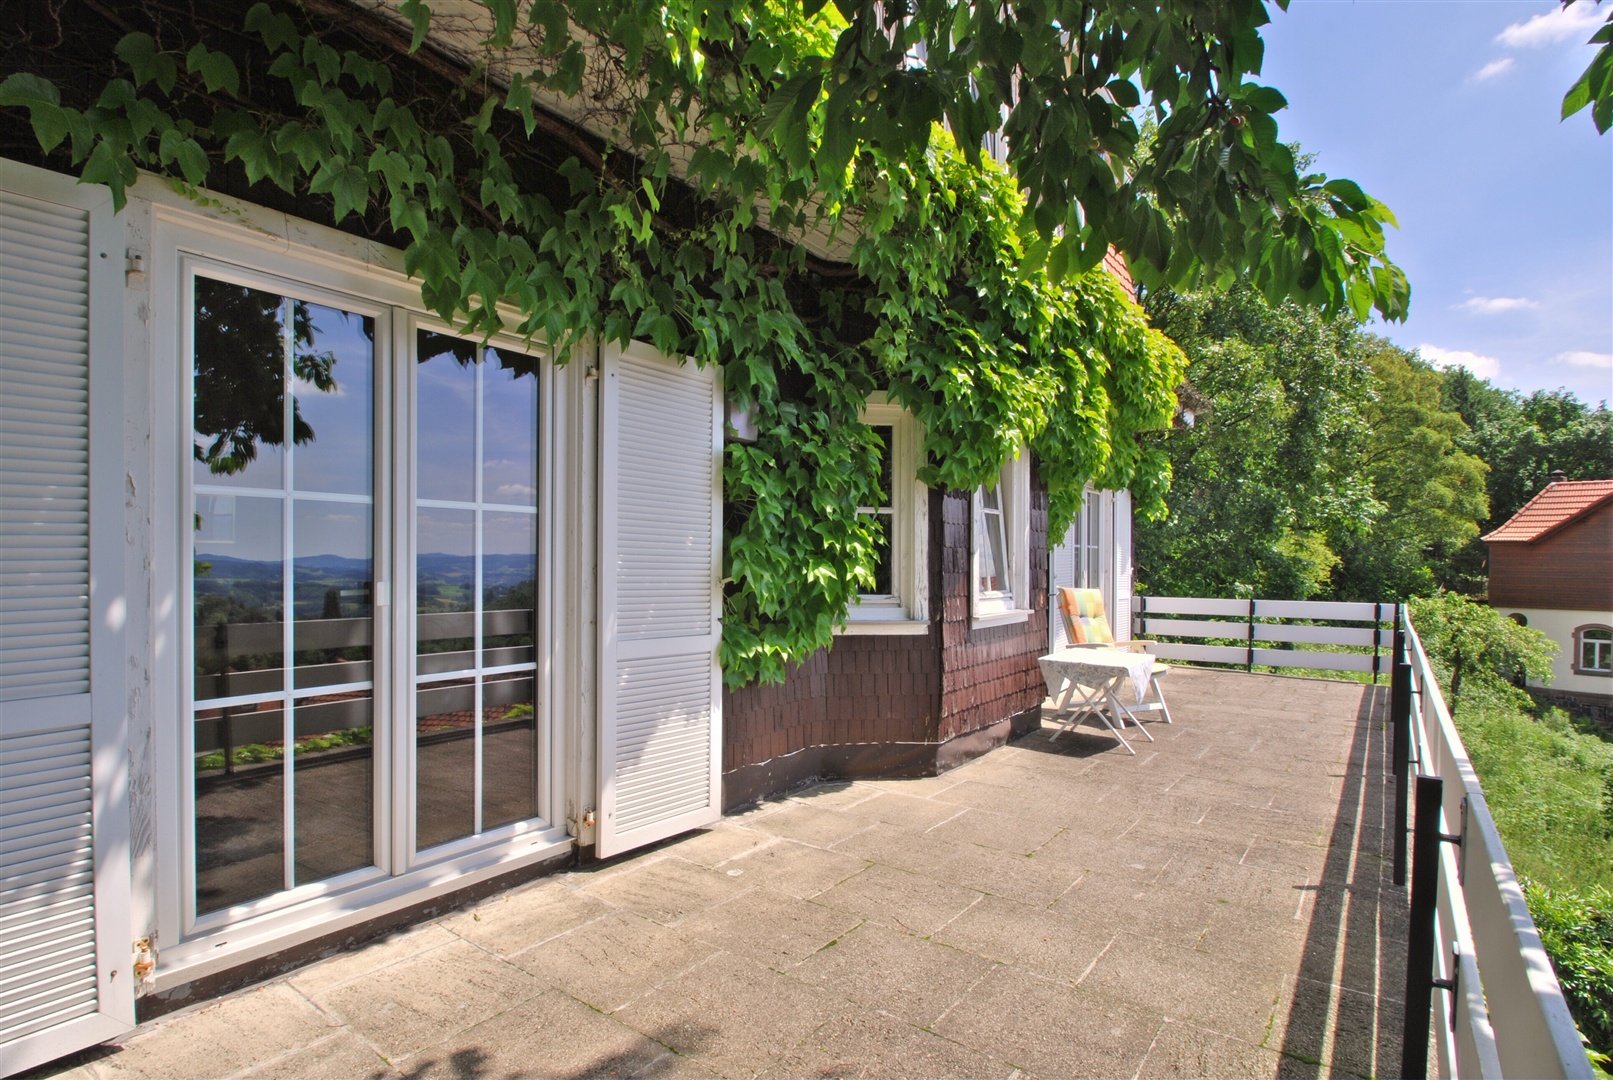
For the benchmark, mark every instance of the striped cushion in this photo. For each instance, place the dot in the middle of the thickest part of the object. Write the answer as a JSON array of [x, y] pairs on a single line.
[[1084, 619]]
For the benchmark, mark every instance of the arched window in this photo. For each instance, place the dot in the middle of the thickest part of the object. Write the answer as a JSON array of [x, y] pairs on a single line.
[[1520, 618], [1593, 650]]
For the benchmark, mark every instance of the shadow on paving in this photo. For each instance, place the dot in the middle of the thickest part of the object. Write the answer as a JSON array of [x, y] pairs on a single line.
[[1351, 980]]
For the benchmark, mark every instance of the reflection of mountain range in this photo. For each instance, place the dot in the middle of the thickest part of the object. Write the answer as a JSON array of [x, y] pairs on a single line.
[[498, 571]]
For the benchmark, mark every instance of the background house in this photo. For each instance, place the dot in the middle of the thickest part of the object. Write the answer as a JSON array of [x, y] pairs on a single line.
[[1551, 568]]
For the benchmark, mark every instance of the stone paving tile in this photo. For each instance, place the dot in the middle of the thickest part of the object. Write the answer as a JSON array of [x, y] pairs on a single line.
[[342, 1056], [864, 1043], [1166, 915], [1051, 1030], [770, 927], [665, 889], [908, 811], [835, 794], [237, 1033], [347, 966], [1181, 1050], [511, 922], [732, 1014], [906, 976], [800, 870], [907, 901], [550, 1035], [904, 849], [716, 845], [424, 1000], [1056, 946], [1233, 999], [1000, 832], [614, 960], [1035, 879], [810, 824]]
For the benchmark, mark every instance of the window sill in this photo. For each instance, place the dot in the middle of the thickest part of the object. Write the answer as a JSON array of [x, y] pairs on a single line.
[[871, 627], [1000, 618]]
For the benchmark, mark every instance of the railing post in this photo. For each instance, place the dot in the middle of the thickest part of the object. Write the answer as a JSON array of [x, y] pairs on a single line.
[[1420, 938], [1251, 665], [1400, 719]]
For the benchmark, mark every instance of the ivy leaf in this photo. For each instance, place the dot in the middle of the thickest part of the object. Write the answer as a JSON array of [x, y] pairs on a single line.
[[274, 27], [187, 153], [146, 61], [112, 167], [217, 70], [419, 16]]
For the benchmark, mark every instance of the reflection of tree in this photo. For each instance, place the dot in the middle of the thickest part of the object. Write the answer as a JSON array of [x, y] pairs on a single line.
[[240, 372], [432, 346]]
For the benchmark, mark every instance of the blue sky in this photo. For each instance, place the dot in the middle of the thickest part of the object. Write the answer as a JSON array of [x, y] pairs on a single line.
[[1448, 112]]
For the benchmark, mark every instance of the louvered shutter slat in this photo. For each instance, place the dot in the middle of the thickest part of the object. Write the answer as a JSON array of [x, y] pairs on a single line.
[[49, 963], [661, 714]]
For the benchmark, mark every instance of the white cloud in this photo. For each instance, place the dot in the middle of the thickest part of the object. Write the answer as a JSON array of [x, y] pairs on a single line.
[[1585, 358], [1495, 305], [514, 492], [1485, 367], [1492, 69], [1574, 23]]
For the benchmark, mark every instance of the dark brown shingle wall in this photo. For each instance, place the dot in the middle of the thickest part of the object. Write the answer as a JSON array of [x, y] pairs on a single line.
[[887, 706]]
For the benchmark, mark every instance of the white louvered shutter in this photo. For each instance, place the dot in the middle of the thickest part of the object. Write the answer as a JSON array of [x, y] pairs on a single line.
[[1061, 574], [58, 992], [660, 616], [1122, 601]]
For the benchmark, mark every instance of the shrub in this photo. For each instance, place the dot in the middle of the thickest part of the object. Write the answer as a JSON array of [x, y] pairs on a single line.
[[1467, 639], [1576, 927]]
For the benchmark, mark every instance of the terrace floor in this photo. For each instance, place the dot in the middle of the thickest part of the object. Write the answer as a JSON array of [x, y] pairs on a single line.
[[1218, 905]]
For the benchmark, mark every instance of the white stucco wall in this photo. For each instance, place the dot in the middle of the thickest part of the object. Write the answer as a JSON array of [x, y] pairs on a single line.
[[1559, 626]]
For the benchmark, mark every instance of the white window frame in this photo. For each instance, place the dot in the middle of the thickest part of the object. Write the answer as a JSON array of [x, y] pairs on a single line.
[[1009, 605], [1600, 647], [356, 276], [905, 610]]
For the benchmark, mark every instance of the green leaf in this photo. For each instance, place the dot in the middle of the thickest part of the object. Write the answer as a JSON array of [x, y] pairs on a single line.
[[26, 89], [1349, 193], [217, 70], [419, 16], [276, 29], [146, 62]]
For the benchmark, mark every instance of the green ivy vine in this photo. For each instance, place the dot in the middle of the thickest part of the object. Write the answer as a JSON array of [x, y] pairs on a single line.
[[693, 243]]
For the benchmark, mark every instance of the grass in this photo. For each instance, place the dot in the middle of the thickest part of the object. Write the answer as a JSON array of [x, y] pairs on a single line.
[[1549, 782]]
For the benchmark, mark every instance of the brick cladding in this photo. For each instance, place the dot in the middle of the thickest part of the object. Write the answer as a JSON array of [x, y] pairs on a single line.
[[988, 674], [878, 705], [1568, 570]]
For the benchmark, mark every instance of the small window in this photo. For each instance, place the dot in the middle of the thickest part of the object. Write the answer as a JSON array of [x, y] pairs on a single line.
[[1000, 589], [1520, 618], [1593, 650], [898, 601]]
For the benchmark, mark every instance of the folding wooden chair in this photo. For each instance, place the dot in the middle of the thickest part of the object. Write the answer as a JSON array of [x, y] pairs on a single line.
[[1086, 625]]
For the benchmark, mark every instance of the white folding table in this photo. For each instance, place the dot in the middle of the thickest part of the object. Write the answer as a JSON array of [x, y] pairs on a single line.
[[1096, 675]]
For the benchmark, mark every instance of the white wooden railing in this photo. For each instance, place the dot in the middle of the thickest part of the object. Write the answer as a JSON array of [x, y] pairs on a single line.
[[1502, 1011], [1263, 628], [1504, 1014]]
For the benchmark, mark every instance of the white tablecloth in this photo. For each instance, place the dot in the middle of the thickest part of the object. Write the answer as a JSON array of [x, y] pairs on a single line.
[[1095, 667]]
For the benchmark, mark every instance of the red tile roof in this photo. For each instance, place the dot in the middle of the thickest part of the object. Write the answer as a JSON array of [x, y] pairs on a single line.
[[1555, 506]]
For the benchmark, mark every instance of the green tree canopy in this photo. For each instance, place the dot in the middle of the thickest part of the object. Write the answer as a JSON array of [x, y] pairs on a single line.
[[1432, 491], [1264, 454], [1320, 461]]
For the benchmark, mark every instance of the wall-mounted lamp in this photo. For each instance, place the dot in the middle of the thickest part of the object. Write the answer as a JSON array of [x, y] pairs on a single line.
[[741, 422]]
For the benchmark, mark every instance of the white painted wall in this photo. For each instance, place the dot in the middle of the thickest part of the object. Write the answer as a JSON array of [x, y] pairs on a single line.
[[1559, 626]]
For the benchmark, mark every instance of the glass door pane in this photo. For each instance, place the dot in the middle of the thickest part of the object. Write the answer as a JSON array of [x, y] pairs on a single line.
[[476, 544], [283, 561]]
